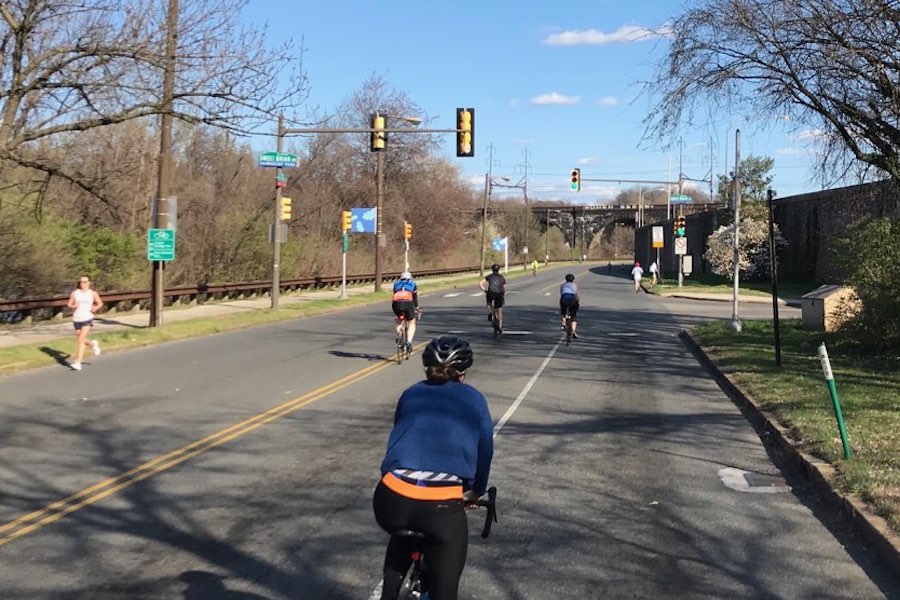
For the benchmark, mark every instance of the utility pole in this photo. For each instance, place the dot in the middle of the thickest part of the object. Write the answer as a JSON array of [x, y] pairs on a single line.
[[736, 273], [164, 180], [276, 233]]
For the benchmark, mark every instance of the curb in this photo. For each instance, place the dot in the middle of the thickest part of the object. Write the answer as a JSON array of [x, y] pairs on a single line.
[[823, 475]]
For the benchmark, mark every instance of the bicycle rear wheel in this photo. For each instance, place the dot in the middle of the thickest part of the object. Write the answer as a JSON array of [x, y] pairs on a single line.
[[401, 343], [568, 329]]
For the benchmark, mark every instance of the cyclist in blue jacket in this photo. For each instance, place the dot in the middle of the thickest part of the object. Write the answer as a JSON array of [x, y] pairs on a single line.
[[438, 458], [405, 301]]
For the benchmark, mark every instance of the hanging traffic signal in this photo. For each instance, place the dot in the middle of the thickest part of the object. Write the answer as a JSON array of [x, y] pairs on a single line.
[[465, 132], [407, 230], [679, 226], [285, 209], [576, 179], [377, 139], [346, 219]]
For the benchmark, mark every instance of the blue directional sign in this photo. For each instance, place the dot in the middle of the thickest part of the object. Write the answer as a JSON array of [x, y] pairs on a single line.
[[362, 220], [498, 244], [161, 244]]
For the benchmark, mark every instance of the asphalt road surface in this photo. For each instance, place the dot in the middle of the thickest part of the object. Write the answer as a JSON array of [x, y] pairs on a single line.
[[241, 465]]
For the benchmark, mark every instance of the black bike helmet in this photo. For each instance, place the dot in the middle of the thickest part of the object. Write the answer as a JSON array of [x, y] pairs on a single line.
[[448, 350], [570, 277], [495, 268]]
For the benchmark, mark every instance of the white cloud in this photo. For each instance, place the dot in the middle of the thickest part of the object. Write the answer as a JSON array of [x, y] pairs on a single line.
[[554, 98], [588, 161], [608, 101], [810, 134], [592, 37]]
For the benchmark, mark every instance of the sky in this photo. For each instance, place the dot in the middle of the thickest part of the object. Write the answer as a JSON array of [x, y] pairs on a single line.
[[555, 85]]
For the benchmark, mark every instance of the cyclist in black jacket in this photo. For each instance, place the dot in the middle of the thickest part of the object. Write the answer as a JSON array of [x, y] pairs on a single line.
[[494, 288]]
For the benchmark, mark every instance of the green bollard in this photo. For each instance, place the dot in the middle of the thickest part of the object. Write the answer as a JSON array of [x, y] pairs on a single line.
[[829, 380]]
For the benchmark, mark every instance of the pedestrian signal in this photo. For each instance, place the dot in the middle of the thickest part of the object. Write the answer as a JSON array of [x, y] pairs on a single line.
[[377, 139], [407, 230], [465, 132], [346, 219], [285, 209], [576, 180]]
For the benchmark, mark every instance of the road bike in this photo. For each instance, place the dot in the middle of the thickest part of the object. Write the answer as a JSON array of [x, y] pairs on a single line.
[[412, 587], [495, 319], [568, 326], [404, 347]]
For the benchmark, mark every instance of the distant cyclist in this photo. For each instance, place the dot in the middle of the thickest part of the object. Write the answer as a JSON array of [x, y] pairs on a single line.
[[438, 459], [405, 301], [568, 301], [494, 288]]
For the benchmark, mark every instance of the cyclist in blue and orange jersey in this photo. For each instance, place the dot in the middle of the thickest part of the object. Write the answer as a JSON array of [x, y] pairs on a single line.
[[494, 288], [405, 301], [568, 301], [437, 461]]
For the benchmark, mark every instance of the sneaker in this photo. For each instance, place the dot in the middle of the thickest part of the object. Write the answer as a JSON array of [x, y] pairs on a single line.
[[75, 366], [574, 335], [95, 346], [409, 346], [562, 327], [490, 317]]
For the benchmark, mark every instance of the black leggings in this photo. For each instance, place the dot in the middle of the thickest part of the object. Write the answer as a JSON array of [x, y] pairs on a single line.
[[447, 537]]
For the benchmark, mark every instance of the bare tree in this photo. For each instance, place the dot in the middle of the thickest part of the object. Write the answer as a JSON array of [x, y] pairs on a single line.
[[67, 67], [829, 65]]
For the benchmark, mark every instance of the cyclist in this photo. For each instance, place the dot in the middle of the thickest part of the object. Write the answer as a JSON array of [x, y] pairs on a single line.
[[568, 301], [534, 267], [437, 461], [494, 288], [405, 301]]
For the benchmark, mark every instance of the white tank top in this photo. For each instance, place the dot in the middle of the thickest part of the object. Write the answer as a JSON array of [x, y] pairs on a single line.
[[84, 302]]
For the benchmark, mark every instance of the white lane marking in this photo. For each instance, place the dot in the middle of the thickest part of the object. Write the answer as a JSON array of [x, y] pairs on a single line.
[[624, 334], [376, 593], [477, 294], [511, 332], [524, 392], [453, 295]]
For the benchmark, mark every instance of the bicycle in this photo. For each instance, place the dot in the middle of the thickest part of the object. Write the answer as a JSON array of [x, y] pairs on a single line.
[[568, 326], [495, 319], [412, 586], [404, 348]]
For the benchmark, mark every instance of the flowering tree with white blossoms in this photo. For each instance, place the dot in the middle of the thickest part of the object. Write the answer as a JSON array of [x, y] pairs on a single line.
[[753, 249]]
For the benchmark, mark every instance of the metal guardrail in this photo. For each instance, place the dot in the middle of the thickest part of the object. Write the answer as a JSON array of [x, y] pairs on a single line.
[[41, 309]]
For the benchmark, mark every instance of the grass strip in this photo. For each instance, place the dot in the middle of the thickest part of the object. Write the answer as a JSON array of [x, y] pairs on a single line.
[[796, 396]]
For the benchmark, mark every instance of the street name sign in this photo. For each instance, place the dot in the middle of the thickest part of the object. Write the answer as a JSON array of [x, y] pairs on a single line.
[[277, 159], [161, 244], [680, 199]]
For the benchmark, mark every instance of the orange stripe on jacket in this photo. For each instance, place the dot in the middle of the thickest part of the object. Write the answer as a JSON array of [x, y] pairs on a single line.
[[418, 492]]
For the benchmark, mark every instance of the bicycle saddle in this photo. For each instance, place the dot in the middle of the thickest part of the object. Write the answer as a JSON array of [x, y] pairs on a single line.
[[409, 534]]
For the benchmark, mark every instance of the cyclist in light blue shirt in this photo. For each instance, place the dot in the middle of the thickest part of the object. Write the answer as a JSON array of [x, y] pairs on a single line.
[[568, 301]]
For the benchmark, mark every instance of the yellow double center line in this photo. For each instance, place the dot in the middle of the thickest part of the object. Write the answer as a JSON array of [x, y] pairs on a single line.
[[55, 511]]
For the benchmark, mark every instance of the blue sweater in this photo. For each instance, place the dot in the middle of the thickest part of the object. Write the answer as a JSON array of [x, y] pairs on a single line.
[[445, 428]]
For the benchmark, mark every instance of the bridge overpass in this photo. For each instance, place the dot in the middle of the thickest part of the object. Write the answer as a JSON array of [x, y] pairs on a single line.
[[577, 220]]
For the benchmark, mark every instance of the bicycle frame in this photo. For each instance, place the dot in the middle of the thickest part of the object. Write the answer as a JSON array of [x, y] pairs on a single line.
[[411, 587]]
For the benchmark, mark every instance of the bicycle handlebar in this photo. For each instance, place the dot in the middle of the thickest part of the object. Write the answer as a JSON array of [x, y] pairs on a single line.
[[491, 516]]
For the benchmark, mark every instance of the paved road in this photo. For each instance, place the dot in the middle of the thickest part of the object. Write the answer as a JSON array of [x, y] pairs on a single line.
[[241, 465]]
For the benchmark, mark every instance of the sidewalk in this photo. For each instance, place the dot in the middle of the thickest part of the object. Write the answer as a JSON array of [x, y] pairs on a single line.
[[727, 297], [51, 330]]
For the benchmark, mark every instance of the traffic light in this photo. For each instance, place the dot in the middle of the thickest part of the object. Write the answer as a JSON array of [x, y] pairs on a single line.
[[346, 218], [465, 132], [679, 226], [377, 139], [407, 230], [285, 209], [576, 179]]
